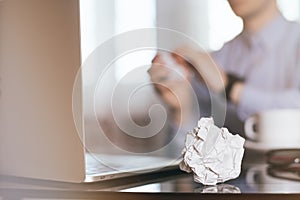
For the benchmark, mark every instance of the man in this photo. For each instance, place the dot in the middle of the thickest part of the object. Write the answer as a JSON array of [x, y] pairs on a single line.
[[259, 69]]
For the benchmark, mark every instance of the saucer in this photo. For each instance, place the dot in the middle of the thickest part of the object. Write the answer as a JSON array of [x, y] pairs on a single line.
[[262, 147]]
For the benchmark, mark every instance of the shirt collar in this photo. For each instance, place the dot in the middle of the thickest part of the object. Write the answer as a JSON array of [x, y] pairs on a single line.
[[269, 36]]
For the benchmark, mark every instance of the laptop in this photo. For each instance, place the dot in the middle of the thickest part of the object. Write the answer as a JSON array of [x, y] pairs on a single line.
[[38, 102]]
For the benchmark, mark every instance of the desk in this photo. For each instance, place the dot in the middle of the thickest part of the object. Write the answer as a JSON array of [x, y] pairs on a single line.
[[253, 183]]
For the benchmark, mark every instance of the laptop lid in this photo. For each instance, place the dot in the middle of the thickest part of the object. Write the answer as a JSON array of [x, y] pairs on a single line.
[[39, 59]]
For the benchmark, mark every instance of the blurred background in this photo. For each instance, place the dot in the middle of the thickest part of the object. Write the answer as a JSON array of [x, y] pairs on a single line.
[[122, 101]]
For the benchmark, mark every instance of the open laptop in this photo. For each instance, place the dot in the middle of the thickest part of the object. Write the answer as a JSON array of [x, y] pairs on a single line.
[[38, 136]]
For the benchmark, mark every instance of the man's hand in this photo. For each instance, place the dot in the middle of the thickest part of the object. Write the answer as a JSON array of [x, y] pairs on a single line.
[[211, 73], [172, 83]]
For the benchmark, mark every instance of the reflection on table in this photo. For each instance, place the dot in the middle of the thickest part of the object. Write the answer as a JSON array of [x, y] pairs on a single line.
[[254, 179]]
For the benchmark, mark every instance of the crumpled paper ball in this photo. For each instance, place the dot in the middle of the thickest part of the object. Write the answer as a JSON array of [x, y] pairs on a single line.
[[212, 154]]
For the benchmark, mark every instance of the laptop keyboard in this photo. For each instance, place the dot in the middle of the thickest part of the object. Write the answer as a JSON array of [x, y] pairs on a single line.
[[94, 166], [102, 164]]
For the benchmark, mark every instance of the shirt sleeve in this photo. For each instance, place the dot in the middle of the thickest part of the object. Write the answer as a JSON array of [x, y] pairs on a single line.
[[255, 100]]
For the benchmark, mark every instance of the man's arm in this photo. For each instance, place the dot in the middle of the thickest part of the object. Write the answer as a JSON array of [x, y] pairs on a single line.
[[250, 100]]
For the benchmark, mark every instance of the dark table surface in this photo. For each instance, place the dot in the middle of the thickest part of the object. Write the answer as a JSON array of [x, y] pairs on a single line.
[[255, 182]]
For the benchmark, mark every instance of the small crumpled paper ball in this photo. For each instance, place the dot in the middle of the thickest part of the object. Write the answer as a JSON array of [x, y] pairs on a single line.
[[212, 154]]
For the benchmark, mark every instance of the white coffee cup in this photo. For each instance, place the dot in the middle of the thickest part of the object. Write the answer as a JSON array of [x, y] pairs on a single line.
[[275, 128]]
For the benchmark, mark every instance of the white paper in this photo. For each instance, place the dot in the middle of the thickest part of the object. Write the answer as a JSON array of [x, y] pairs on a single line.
[[212, 154]]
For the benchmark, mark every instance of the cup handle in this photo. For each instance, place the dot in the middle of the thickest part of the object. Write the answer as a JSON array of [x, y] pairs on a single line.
[[250, 175], [249, 131], [254, 175]]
